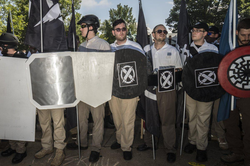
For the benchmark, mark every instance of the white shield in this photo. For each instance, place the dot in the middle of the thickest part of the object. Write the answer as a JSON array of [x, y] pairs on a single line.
[[94, 73], [17, 114], [69, 77]]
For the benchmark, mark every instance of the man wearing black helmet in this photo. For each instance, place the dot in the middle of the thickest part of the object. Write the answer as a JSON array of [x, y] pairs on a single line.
[[8, 46], [89, 25]]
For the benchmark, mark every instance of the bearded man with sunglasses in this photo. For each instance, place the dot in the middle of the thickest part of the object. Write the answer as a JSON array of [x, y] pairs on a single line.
[[164, 56], [199, 112], [89, 25], [123, 110]]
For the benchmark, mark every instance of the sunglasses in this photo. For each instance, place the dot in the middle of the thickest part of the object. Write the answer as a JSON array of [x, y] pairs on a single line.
[[83, 26], [121, 29], [160, 31]]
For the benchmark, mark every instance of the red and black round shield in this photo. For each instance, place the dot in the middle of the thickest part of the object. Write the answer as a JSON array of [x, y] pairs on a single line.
[[130, 74], [234, 72], [199, 77]]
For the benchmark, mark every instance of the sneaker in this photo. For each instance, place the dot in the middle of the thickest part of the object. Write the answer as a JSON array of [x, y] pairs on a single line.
[[201, 155], [189, 148], [59, 157], [231, 158], [115, 145], [223, 143], [43, 153]]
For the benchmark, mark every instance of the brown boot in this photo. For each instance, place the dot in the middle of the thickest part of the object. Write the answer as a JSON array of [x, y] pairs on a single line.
[[43, 153], [59, 157]]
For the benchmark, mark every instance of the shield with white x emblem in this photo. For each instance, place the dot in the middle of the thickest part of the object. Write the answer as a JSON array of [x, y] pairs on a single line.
[[206, 77], [127, 74], [199, 77], [130, 74], [166, 80]]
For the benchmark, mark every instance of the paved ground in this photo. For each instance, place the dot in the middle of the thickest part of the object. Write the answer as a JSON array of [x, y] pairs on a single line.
[[115, 157]]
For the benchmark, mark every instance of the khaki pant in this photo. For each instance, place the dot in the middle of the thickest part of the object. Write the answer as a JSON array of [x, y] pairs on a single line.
[[98, 114], [199, 116], [217, 128], [57, 116], [167, 110], [123, 111], [19, 146]]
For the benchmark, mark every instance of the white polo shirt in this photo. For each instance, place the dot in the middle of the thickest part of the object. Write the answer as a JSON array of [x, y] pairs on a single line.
[[127, 45], [165, 56]]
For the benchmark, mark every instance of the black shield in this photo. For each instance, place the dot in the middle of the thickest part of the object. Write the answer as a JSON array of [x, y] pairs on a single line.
[[130, 74], [197, 63]]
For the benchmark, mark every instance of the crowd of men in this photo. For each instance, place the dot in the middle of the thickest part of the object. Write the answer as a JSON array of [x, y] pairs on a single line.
[[204, 39]]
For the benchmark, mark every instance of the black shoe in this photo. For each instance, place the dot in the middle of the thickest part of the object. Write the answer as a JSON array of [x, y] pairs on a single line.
[[74, 146], [171, 157], [19, 157], [143, 147], [115, 145], [127, 155], [8, 152], [189, 148], [94, 156], [201, 155]]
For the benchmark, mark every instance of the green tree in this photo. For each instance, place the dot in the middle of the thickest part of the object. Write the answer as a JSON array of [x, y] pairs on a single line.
[[213, 12], [123, 12], [19, 10]]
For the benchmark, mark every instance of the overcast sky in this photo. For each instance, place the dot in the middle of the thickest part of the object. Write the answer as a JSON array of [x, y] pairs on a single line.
[[155, 11]]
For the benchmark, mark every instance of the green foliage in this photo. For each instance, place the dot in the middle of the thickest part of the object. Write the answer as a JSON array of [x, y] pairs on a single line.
[[123, 12], [213, 12]]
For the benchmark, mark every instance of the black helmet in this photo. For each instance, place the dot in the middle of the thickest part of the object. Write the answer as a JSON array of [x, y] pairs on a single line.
[[90, 20], [9, 38]]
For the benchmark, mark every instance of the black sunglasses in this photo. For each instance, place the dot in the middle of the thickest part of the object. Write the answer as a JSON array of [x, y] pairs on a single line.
[[83, 26], [121, 29], [160, 31]]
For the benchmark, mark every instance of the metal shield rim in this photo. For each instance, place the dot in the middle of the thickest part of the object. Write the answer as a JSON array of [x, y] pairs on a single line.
[[223, 68]]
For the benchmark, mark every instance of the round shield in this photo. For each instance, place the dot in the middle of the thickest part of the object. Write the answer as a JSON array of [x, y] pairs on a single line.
[[130, 74], [199, 77], [234, 72]]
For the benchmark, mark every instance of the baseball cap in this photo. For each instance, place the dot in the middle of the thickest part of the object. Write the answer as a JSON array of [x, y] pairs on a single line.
[[214, 29], [201, 25]]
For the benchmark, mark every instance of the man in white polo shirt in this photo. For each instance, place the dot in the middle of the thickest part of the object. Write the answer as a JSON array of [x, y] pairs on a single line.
[[164, 56]]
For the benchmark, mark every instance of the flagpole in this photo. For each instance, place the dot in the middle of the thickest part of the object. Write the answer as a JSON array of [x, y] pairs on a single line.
[[41, 18], [74, 38], [12, 23], [234, 43]]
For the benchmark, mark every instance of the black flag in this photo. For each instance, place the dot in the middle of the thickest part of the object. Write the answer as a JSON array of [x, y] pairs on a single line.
[[72, 31], [183, 32], [183, 48], [8, 24], [142, 33], [53, 27], [147, 106]]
